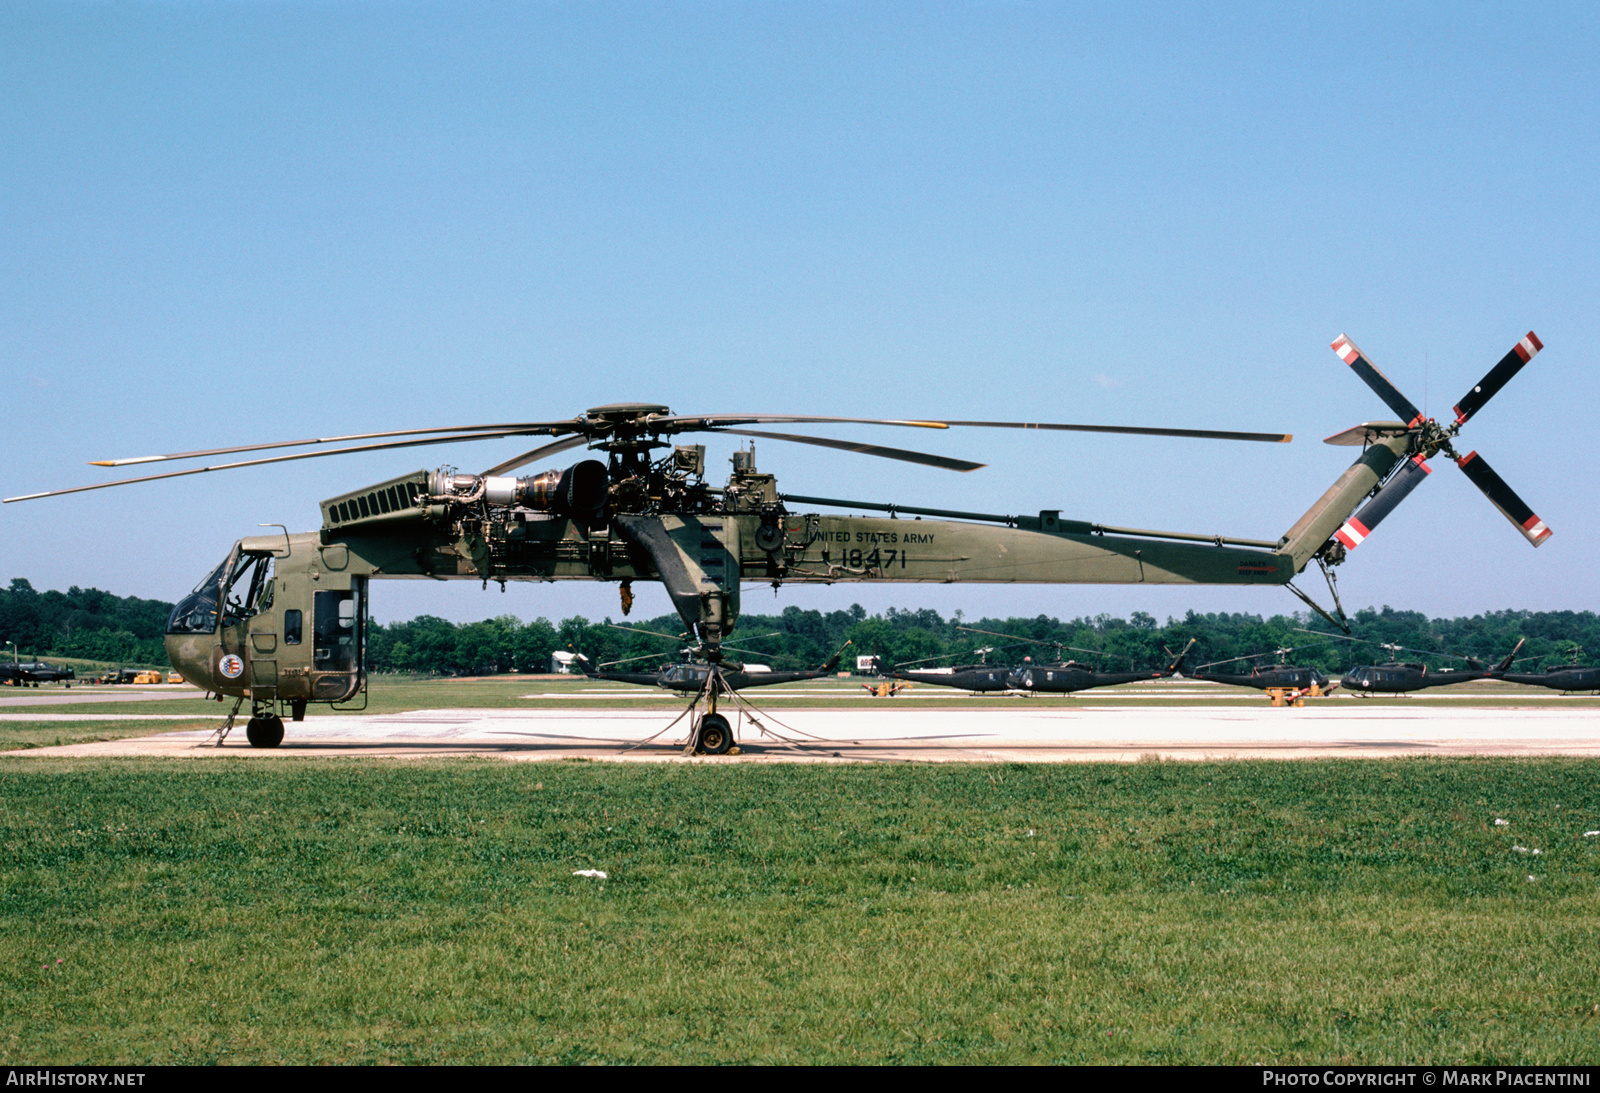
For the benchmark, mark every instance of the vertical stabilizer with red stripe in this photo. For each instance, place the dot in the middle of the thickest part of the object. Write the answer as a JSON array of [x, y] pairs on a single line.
[[1412, 473]]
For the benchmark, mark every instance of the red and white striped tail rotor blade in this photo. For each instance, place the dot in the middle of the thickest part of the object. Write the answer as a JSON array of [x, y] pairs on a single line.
[[1504, 498], [1411, 474], [1376, 380], [1498, 377]]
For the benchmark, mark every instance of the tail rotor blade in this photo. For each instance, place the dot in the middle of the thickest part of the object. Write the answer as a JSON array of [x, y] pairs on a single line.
[[1376, 380], [1504, 498], [1498, 377], [1411, 474]]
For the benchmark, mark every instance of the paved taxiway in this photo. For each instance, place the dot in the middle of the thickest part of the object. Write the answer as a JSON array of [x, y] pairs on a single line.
[[1035, 733]]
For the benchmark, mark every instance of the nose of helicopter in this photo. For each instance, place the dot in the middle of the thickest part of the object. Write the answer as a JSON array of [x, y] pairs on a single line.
[[190, 656]]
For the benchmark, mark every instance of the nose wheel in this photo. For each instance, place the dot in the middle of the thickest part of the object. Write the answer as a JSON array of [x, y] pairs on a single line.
[[264, 732]]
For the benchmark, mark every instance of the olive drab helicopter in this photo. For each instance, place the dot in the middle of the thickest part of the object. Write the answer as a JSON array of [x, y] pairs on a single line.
[[281, 621], [1059, 677], [1069, 676], [983, 678], [1394, 677], [705, 681], [1291, 679], [1566, 678], [691, 676]]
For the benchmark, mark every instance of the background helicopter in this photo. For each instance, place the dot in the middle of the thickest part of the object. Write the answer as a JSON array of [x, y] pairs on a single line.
[[23, 673], [1559, 677], [1065, 677], [1396, 677], [1280, 676], [983, 678], [693, 676], [281, 620], [714, 733]]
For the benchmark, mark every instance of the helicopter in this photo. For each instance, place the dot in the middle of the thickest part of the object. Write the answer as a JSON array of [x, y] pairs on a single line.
[[1061, 677], [1560, 677], [281, 620], [690, 676], [980, 678], [714, 733], [1276, 677], [22, 673], [977, 678], [1065, 678], [1396, 677]]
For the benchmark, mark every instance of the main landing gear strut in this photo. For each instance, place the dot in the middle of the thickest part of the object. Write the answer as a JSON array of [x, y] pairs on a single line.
[[263, 730]]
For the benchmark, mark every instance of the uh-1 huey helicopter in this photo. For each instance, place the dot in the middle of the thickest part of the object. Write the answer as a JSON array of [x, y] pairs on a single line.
[[1068, 676], [1394, 677], [281, 620], [691, 676], [698, 677], [1566, 678], [1296, 680], [1060, 677], [980, 678], [714, 731]]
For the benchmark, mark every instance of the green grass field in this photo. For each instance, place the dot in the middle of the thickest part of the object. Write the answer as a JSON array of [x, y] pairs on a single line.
[[388, 911]]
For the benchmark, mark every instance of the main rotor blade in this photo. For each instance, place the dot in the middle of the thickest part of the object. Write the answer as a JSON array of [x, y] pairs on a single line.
[[720, 422], [649, 633], [1411, 474], [1285, 651], [538, 453], [1129, 430], [261, 462], [1035, 641], [1497, 377], [1384, 645], [1376, 380], [943, 462], [694, 423], [467, 432], [629, 660], [1504, 498]]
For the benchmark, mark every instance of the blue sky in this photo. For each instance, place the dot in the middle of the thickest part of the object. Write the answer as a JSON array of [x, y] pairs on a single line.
[[227, 223]]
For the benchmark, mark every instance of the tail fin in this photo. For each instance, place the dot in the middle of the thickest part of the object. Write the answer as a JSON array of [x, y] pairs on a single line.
[[1333, 509], [1177, 662], [833, 661], [1505, 665]]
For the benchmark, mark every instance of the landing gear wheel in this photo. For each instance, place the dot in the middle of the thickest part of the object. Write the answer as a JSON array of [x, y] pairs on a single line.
[[716, 735], [264, 732]]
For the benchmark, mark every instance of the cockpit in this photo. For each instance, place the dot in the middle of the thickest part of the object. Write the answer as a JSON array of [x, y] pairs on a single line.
[[242, 584], [685, 675]]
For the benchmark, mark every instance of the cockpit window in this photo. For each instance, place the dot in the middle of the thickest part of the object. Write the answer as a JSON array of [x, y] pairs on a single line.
[[196, 613], [242, 578]]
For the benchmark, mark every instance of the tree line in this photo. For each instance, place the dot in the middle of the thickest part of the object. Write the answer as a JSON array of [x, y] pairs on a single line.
[[82, 622], [96, 625], [801, 638]]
